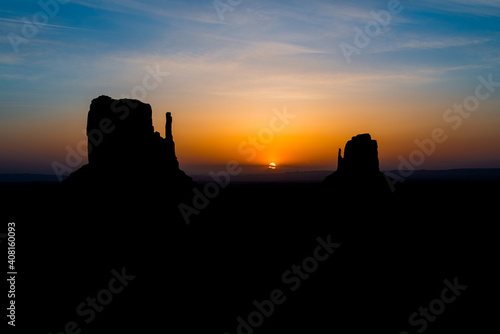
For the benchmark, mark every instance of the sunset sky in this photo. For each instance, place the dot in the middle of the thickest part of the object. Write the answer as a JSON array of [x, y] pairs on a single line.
[[231, 72]]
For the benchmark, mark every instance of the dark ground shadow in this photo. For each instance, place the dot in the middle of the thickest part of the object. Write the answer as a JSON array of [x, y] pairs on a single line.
[[381, 257]]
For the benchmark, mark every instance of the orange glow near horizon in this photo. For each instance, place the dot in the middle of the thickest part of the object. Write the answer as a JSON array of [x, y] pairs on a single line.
[[213, 133], [311, 138]]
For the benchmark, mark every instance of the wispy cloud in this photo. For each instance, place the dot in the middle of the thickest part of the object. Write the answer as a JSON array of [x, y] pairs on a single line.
[[268, 70], [152, 10], [442, 43], [464, 7], [21, 22], [7, 59]]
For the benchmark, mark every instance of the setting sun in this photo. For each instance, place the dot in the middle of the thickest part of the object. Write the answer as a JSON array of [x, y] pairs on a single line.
[[272, 165]]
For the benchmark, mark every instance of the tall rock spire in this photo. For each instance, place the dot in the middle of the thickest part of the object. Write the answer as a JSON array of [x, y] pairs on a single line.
[[168, 127], [340, 165], [169, 140]]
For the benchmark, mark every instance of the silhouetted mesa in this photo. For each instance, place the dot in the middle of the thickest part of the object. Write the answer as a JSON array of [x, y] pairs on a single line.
[[358, 170], [360, 155], [124, 148]]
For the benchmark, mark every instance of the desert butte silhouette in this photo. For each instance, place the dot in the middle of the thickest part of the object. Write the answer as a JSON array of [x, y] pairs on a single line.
[[253, 260]]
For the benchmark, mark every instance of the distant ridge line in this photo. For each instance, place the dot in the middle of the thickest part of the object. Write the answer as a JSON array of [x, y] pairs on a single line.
[[28, 178], [473, 174]]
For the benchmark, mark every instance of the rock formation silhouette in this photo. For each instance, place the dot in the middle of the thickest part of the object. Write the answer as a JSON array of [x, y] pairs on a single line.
[[360, 155], [358, 171], [124, 203], [124, 151]]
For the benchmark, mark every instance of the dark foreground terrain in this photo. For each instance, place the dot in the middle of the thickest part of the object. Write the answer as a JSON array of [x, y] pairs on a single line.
[[260, 258]]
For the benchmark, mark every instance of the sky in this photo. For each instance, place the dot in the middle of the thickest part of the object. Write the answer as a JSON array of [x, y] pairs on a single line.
[[287, 82]]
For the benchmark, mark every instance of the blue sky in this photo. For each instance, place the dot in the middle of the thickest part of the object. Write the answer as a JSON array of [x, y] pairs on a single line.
[[262, 55]]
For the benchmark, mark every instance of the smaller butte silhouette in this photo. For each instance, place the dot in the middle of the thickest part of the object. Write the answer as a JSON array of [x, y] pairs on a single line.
[[125, 152], [358, 170]]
